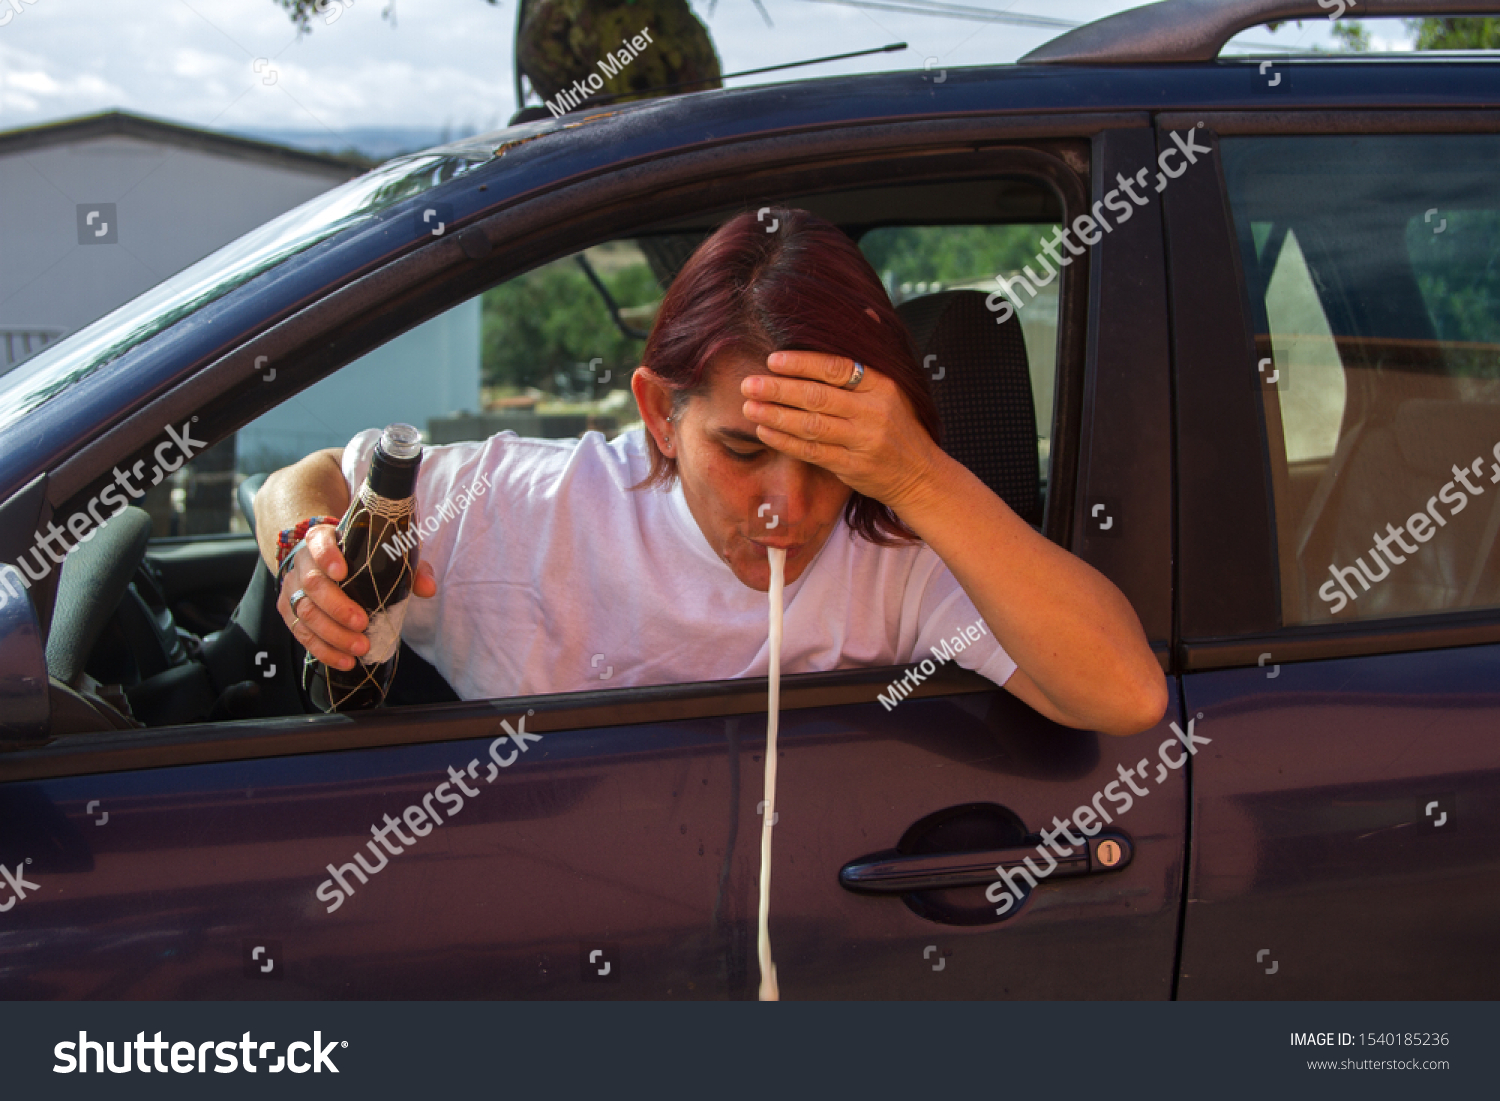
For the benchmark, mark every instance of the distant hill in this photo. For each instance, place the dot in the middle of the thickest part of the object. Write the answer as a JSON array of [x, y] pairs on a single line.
[[374, 143]]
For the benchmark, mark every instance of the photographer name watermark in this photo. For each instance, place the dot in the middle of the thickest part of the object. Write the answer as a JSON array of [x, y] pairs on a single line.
[[403, 542], [900, 689], [611, 65]]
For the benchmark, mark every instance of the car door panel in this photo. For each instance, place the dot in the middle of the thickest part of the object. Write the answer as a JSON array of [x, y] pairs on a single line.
[[1339, 818], [1341, 821], [641, 839], [632, 828]]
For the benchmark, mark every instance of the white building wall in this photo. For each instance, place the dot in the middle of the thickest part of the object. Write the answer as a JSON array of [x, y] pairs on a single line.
[[173, 206], [433, 370]]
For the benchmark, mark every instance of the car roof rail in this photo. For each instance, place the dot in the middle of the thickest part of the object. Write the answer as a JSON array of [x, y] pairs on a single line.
[[1196, 30]]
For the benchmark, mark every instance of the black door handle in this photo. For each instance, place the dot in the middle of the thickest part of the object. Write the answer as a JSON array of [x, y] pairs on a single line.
[[895, 874]]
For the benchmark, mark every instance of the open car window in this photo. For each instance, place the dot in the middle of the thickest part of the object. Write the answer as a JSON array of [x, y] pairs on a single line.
[[548, 354]]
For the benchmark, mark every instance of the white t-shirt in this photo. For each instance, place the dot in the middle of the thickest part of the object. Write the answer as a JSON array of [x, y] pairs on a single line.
[[554, 577]]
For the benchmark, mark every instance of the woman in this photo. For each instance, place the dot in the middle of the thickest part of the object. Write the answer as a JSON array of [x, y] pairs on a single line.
[[782, 407]]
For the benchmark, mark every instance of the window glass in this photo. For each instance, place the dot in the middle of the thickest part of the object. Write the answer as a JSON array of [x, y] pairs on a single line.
[[1456, 257], [1373, 266], [1302, 345], [546, 354]]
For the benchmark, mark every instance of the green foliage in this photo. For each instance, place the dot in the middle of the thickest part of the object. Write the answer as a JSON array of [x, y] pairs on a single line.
[[951, 254], [1428, 34], [1352, 36], [1458, 273], [1456, 34], [552, 320], [563, 40], [300, 12]]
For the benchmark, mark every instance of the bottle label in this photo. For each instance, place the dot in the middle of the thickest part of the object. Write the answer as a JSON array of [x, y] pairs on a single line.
[[384, 633]]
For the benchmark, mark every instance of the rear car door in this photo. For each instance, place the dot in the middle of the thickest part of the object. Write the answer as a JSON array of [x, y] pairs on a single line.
[[605, 843], [1338, 357]]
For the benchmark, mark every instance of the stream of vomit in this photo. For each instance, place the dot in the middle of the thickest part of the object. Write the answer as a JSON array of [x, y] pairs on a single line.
[[768, 989]]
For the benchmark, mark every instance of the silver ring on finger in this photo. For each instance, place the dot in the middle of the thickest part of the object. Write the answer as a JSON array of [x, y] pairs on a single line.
[[856, 378], [300, 594]]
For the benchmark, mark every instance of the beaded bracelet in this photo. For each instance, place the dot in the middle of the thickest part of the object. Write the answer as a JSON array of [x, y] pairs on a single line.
[[292, 537], [286, 565]]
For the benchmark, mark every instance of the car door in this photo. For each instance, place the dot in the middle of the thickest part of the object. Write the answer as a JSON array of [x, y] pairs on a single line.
[[604, 844], [1336, 351]]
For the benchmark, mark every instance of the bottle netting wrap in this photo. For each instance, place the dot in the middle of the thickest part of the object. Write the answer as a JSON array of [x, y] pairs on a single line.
[[384, 630]]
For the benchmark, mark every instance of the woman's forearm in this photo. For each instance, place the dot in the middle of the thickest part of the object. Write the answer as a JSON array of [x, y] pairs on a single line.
[[1068, 628], [314, 486]]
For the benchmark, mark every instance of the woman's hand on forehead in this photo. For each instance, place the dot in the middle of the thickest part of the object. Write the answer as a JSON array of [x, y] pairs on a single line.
[[868, 437]]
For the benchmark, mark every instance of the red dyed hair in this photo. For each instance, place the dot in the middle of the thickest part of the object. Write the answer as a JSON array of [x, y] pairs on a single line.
[[804, 287]]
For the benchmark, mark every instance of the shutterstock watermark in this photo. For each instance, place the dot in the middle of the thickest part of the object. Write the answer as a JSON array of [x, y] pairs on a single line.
[[1004, 889], [189, 1057], [17, 883], [900, 689], [422, 817], [9, 9], [1092, 227], [83, 524], [1417, 525], [611, 65]]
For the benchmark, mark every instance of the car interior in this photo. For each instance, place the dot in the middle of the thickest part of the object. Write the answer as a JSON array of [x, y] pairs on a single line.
[[1364, 292], [168, 615]]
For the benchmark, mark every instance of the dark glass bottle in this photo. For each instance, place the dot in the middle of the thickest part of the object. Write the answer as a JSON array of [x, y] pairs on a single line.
[[380, 549]]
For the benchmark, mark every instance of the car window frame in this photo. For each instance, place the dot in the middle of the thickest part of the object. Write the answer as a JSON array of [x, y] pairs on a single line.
[[1229, 571], [1125, 459], [361, 313]]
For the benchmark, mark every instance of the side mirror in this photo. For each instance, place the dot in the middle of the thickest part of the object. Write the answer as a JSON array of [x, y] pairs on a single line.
[[24, 711]]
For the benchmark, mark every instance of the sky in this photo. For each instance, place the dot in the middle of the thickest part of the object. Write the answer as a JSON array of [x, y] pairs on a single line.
[[239, 65]]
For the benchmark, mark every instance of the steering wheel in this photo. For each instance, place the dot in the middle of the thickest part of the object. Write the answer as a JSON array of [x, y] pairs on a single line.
[[254, 662], [90, 586], [222, 680], [249, 669]]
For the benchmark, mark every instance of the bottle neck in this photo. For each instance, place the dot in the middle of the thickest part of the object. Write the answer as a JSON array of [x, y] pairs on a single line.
[[393, 479]]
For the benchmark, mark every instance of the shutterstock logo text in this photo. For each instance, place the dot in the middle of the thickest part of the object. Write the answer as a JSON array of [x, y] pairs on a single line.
[[186, 1057]]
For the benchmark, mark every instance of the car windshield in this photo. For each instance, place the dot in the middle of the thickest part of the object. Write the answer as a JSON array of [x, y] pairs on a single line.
[[63, 364]]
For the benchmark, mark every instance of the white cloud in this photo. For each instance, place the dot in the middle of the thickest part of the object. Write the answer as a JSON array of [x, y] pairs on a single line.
[[191, 64], [446, 61], [46, 86]]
